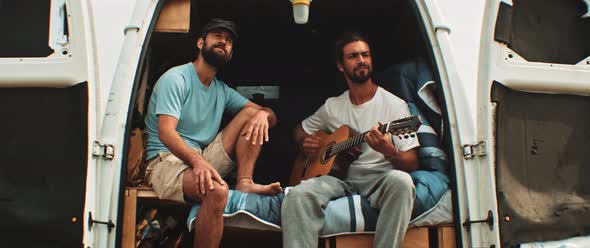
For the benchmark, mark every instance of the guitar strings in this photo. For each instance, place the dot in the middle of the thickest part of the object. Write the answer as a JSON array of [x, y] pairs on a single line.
[[360, 138]]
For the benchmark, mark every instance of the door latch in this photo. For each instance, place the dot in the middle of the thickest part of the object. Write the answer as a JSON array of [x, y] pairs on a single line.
[[110, 225], [489, 220]]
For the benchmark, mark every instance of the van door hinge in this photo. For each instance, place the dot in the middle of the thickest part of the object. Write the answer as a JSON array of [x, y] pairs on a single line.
[[489, 221], [470, 151], [106, 151], [91, 222]]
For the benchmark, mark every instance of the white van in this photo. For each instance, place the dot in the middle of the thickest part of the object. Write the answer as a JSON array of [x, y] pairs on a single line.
[[516, 164]]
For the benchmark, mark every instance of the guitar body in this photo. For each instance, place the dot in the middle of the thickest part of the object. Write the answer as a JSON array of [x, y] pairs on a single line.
[[339, 149], [319, 165]]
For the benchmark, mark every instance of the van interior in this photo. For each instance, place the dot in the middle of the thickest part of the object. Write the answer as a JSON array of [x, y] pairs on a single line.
[[298, 59], [273, 52]]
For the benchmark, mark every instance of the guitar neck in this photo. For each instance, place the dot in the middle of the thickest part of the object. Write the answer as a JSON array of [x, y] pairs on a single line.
[[397, 127], [353, 141]]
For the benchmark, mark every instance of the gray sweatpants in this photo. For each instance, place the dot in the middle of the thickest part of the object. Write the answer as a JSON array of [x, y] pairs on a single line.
[[392, 191]]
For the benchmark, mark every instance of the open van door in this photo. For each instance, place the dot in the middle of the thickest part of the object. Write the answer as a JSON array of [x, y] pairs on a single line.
[[49, 106], [115, 130], [533, 105]]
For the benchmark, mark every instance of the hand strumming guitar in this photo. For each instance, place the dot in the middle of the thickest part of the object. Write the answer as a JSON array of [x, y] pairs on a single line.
[[311, 145]]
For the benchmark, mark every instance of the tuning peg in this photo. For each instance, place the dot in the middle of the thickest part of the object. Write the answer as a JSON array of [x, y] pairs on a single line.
[[412, 135]]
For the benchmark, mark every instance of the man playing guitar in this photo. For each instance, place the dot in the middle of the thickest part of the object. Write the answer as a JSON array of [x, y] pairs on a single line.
[[381, 173]]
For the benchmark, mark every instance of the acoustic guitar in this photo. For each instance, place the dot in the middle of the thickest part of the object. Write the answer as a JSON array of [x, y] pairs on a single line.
[[339, 149]]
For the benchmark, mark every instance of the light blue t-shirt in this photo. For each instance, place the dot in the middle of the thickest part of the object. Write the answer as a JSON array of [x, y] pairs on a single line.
[[199, 109]]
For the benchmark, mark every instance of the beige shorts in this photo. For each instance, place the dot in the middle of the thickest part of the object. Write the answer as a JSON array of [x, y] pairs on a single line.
[[164, 173]]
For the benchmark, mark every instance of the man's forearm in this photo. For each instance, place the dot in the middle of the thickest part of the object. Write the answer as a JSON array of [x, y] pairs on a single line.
[[180, 149], [406, 161], [299, 135], [272, 118]]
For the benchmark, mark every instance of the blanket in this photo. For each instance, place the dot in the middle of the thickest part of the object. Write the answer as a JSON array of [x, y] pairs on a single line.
[[413, 81], [349, 214]]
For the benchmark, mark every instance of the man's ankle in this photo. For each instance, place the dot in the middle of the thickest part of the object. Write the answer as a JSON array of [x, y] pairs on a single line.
[[244, 180]]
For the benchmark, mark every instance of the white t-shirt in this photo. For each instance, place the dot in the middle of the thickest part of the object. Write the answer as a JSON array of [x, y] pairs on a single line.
[[384, 107]]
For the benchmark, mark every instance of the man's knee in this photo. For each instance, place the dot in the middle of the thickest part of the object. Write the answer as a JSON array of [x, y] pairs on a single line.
[[305, 190], [220, 193], [217, 198], [246, 113], [298, 194], [399, 180]]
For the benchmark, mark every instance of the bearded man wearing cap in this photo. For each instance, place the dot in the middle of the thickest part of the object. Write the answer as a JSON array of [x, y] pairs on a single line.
[[187, 157]]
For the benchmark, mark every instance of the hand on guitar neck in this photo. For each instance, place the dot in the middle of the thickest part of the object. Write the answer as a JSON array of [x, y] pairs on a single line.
[[380, 142]]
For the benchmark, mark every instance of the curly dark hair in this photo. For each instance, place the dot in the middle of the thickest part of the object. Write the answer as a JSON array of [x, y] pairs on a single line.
[[345, 39]]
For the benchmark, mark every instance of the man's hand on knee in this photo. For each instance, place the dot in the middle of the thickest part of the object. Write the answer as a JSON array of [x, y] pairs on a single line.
[[204, 175], [257, 128]]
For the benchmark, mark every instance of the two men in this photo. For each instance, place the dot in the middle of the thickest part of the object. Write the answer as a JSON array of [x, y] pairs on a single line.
[[381, 173], [187, 157]]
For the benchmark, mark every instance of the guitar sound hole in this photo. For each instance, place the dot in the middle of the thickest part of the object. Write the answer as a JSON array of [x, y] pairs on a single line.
[[325, 156], [327, 153]]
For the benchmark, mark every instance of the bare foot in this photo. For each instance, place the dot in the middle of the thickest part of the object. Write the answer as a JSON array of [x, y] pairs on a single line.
[[248, 186]]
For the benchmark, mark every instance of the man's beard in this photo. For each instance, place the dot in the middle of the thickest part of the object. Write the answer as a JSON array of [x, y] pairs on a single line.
[[359, 77], [214, 59]]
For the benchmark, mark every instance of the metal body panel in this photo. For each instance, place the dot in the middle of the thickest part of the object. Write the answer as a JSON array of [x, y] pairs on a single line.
[[67, 66], [43, 168], [498, 63], [71, 69], [470, 204], [115, 120], [542, 164]]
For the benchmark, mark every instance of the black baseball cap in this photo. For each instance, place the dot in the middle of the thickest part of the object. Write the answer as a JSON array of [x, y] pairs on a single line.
[[220, 23]]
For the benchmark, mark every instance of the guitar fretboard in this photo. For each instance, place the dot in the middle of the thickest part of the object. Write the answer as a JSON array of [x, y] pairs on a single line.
[[357, 139]]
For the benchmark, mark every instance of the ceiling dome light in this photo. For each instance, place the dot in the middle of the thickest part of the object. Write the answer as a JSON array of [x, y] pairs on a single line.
[[300, 10]]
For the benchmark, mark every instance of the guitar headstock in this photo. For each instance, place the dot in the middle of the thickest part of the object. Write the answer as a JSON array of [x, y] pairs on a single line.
[[404, 128]]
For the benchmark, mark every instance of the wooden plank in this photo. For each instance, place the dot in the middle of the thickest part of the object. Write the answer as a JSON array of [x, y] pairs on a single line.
[[146, 193], [175, 16], [446, 237], [129, 217], [351, 240], [416, 238]]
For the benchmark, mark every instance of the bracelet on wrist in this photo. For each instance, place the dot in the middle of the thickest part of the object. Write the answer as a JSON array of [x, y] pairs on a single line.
[[394, 155]]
